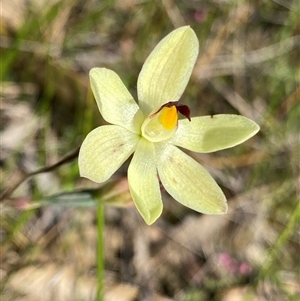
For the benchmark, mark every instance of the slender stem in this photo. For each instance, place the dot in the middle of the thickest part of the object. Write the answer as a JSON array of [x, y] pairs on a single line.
[[26, 176], [281, 240], [100, 253]]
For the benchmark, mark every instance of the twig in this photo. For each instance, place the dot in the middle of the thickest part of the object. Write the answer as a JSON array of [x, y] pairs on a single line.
[[7, 193]]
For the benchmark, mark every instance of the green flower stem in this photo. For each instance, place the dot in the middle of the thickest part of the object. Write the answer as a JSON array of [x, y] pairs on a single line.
[[281, 241], [100, 253]]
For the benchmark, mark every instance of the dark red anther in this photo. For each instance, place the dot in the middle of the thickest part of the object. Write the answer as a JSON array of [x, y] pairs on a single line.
[[185, 111], [182, 109]]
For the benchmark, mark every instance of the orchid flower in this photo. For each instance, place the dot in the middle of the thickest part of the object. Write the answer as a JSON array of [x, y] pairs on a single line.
[[151, 130]]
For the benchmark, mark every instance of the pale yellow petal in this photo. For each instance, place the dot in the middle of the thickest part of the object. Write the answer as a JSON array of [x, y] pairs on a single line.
[[167, 70], [104, 150], [114, 101], [188, 182], [212, 133], [143, 182]]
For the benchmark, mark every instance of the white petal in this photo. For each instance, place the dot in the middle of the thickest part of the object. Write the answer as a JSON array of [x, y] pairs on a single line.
[[114, 101], [167, 70], [104, 150], [188, 182], [143, 182], [212, 133]]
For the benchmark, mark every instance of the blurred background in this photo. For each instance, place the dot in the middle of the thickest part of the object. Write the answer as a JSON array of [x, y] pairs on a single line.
[[248, 65]]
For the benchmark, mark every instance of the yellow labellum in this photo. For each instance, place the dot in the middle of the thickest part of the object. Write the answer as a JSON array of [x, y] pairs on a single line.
[[168, 117]]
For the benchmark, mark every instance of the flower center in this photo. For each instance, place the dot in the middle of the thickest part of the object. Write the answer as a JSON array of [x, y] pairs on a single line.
[[162, 124]]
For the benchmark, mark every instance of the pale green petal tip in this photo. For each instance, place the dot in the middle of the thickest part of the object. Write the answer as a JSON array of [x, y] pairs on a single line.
[[96, 70], [186, 29], [221, 208], [250, 127], [149, 214], [255, 128], [224, 209], [215, 203], [93, 71], [93, 74]]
